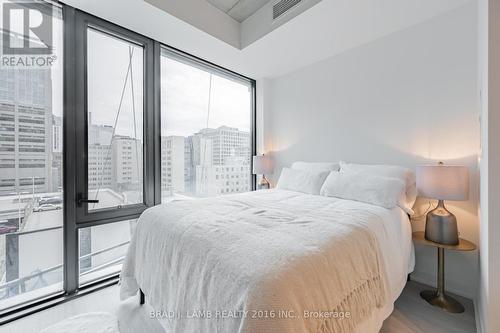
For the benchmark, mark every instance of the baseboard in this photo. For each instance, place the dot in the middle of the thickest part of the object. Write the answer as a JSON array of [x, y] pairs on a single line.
[[481, 310], [478, 317]]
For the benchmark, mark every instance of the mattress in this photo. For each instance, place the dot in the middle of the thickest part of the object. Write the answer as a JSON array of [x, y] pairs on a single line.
[[278, 212], [399, 257]]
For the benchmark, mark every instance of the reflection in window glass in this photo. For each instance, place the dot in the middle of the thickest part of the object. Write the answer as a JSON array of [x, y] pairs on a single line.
[[115, 121], [102, 249], [205, 126], [31, 166]]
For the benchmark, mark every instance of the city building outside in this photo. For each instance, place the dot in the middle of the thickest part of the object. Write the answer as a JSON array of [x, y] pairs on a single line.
[[205, 151]]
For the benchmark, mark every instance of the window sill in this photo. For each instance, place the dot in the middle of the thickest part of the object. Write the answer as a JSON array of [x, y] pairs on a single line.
[[48, 302]]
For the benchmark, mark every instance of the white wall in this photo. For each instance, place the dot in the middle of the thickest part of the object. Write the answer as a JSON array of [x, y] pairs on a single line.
[[202, 15], [407, 98], [349, 24], [489, 59], [482, 297]]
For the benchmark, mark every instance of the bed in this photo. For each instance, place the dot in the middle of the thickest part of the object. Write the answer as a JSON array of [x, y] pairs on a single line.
[[267, 261]]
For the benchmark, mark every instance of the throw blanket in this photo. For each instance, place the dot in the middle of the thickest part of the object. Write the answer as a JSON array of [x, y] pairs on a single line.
[[265, 261]]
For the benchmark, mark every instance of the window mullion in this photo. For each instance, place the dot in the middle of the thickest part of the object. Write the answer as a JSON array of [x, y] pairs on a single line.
[[157, 122], [149, 161], [69, 151]]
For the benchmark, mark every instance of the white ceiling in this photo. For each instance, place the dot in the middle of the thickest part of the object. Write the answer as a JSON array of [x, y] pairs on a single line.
[[239, 10], [325, 30]]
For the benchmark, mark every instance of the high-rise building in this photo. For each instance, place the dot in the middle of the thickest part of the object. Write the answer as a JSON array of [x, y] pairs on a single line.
[[114, 162], [57, 154], [221, 158], [228, 143], [57, 134], [173, 164], [99, 134], [222, 179], [26, 125], [99, 167], [210, 162], [126, 162], [198, 153], [99, 156]]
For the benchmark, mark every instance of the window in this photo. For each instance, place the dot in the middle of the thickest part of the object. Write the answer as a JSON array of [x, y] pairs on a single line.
[[206, 119], [114, 120], [86, 145], [112, 111], [31, 188], [102, 249]]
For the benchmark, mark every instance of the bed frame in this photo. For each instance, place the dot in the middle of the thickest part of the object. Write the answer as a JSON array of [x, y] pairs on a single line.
[[142, 297]]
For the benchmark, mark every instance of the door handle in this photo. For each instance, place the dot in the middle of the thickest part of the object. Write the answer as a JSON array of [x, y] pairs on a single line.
[[81, 200]]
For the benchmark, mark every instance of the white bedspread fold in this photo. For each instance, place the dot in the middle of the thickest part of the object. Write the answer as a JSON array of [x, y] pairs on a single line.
[[266, 261]]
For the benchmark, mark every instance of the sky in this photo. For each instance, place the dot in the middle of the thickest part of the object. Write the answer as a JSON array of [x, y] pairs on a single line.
[[57, 68], [184, 92], [184, 89], [108, 60]]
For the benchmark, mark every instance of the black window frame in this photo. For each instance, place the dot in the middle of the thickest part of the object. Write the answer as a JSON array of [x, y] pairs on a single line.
[[75, 23], [84, 217], [204, 65]]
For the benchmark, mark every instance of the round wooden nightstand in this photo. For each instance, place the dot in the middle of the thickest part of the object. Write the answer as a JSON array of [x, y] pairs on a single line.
[[438, 296]]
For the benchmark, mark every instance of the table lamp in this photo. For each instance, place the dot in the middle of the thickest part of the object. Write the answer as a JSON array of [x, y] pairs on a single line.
[[262, 165], [442, 182]]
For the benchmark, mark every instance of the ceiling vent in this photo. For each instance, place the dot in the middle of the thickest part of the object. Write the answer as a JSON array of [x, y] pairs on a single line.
[[283, 6]]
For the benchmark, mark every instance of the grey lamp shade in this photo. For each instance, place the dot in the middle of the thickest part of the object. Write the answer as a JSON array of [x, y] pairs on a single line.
[[443, 182], [262, 165]]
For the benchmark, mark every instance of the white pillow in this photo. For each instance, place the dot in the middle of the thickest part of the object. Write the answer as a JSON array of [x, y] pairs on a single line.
[[365, 187], [315, 166], [392, 171], [301, 181]]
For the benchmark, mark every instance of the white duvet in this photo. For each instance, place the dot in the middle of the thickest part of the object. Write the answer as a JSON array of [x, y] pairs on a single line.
[[267, 261]]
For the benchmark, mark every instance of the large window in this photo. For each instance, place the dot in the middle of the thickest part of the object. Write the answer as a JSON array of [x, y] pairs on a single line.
[[206, 136], [31, 163], [114, 120], [116, 176], [105, 124], [102, 249]]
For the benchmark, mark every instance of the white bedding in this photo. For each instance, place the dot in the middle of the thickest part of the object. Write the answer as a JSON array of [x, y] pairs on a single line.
[[155, 267]]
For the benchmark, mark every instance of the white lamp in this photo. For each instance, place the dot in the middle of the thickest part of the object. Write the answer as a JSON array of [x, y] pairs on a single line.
[[442, 182], [262, 165]]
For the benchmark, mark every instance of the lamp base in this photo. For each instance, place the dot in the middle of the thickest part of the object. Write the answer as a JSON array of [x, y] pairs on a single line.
[[263, 184], [442, 300], [441, 226]]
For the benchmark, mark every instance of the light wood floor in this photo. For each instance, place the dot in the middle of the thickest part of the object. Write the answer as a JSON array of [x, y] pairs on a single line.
[[414, 315], [411, 314]]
